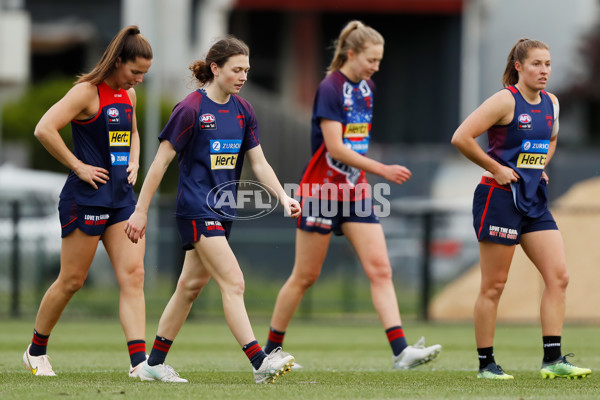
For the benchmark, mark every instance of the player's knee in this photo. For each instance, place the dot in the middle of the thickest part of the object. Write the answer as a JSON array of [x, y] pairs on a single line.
[[494, 290], [562, 279], [306, 280], [379, 271], [71, 284], [191, 288], [135, 276]]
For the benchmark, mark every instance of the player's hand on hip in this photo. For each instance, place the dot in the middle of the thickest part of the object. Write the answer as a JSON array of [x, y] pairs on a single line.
[[135, 227], [396, 173], [505, 175], [91, 174]]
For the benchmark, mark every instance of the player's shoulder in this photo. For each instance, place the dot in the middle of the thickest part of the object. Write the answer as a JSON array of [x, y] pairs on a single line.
[[552, 97]]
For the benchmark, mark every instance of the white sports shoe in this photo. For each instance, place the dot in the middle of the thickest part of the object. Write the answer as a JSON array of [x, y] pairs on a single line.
[[274, 365], [160, 372], [134, 372], [416, 355], [38, 365], [295, 366]]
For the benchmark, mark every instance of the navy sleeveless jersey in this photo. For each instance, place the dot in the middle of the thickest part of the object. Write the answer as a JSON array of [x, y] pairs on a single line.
[[339, 99], [104, 141], [523, 146], [210, 140]]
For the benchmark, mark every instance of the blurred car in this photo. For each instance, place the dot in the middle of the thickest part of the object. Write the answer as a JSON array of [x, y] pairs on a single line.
[[35, 193]]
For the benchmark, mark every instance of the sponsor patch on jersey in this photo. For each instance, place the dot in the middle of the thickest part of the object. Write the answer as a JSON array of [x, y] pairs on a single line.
[[535, 146], [225, 146], [208, 121], [531, 160], [357, 130], [113, 115], [360, 146], [524, 121], [223, 161], [119, 138], [119, 158]]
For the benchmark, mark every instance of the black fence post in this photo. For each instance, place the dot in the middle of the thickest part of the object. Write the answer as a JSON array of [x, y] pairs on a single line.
[[15, 310], [426, 264]]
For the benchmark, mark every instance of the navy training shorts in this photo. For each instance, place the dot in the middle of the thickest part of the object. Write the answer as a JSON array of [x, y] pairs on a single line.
[[91, 220], [325, 216], [495, 217], [190, 230]]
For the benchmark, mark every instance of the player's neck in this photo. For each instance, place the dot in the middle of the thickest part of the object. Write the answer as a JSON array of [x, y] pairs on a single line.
[[216, 94]]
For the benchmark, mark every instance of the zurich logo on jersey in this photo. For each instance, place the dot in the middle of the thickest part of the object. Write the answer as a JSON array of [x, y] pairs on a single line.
[[113, 115], [208, 121], [524, 121]]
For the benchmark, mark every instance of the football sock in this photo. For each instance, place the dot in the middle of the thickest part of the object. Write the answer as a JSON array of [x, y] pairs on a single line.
[[274, 341], [39, 343], [551, 348], [255, 353], [137, 351], [486, 356], [397, 339], [159, 351]]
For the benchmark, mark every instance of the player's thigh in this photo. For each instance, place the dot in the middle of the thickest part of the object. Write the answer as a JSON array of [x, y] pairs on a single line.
[[546, 251], [311, 250], [125, 256], [218, 259], [368, 239], [495, 260], [76, 255]]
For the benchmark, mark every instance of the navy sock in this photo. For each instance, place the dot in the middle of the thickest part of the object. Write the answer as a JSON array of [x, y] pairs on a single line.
[[397, 339], [551, 348], [255, 353], [159, 351], [486, 356], [274, 341], [137, 351], [39, 343]]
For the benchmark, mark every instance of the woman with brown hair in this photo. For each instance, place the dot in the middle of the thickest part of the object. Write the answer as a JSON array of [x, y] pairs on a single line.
[[98, 195]]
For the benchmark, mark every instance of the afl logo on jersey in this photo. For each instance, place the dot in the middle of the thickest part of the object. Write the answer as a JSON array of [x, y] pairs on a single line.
[[524, 121], [208, 121], [113, 115]]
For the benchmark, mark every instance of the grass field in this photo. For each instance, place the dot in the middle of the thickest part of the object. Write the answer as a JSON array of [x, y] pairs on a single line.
[[343, 359]]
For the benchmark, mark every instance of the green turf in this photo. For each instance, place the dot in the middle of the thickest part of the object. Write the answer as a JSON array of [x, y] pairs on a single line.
[[342, 359]]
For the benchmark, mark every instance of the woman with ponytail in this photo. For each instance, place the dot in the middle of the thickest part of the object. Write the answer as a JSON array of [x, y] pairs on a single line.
[[211, 131], [510, 204], [336, 198], [98, 196]]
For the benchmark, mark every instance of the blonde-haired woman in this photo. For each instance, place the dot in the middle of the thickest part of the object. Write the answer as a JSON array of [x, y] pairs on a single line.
[[335, 180]]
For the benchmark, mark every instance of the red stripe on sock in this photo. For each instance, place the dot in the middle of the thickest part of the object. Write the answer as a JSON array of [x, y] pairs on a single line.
[[275, 337], [250, 352], [134, 348], [161, 346], [40, 341], [395, 334]]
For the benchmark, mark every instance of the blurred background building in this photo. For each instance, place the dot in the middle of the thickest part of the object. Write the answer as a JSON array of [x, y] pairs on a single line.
[[442, 59]]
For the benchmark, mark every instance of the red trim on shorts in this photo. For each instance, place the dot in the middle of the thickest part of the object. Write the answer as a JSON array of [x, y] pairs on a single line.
[[195, 230], [486, 180], [69, 223], [487, 204]]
